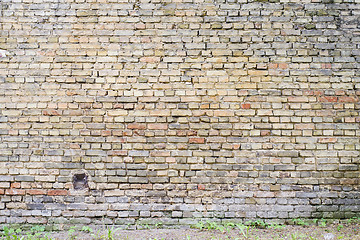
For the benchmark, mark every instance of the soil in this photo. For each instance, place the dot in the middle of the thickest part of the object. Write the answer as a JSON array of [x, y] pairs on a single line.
[[330, 232]]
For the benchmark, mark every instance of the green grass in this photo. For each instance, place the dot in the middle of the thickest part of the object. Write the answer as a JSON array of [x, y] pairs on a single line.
[[35, 233], [38, 233], [300, 222], [255, 229]]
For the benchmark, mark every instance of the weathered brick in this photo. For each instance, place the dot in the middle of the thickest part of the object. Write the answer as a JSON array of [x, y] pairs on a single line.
[[57, 192], [132, 111]]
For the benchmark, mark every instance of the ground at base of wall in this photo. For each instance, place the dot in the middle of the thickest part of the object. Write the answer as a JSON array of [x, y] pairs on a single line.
[[286, 232]]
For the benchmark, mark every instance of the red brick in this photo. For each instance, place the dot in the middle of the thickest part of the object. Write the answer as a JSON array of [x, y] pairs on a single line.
[[36, 192], [2, 191], [318, 92], [348, 99], [136, 126], [118, 105], [328, 99], [51, 112], [15, 185], [147, 186], [117, 153], [201, 186], [327, 140], [196, 140], [326, 65], [265, 132], [246, 105], [106, 133], [283, 65], [236, 146], [57, 192]]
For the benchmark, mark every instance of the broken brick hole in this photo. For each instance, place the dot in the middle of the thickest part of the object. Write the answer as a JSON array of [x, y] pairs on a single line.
[[80, 181]]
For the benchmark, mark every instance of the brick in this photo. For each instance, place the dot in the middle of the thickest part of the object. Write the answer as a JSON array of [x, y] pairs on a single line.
[[15, 185], [197, 140], [150, 59], [157, 126], [14, 192], [36, 192], [57, 192], [117, 112], [246, 106], [223, 113], [136, 126], [328, 99], [25, 178], [348, 99], [181, 112], [134, 153]]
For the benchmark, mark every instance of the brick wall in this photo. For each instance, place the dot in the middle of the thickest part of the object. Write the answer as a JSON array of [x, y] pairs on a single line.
[[115, 111]]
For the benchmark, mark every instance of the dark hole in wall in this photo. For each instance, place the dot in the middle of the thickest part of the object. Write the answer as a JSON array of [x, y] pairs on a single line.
[[80, 181]]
